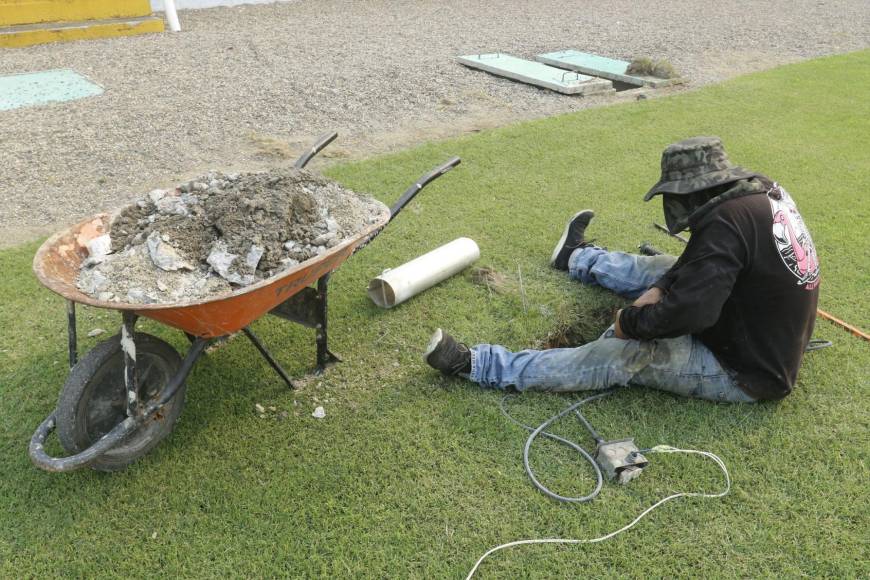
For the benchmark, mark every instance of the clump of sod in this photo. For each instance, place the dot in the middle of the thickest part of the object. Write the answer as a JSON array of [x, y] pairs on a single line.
[[645, 66]]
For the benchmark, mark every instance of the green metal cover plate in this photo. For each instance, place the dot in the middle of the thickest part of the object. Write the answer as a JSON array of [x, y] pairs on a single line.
[[536, 73], [601, 66], [39, 88]]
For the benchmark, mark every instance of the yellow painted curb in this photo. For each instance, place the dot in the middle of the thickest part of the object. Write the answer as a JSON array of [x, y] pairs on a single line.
[[15, 12], [19, 36]]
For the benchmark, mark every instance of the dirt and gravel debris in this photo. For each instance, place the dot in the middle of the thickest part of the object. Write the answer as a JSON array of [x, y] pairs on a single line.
[[219, 232]]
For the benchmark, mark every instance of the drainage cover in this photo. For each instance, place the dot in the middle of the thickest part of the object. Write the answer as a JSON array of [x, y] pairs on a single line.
[[538, 74], [39, 88], [601, 66]]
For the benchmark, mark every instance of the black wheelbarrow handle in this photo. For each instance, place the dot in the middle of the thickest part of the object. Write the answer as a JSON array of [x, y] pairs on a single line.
[[420, 184], [409, 195], [406, 197], [44, 461], [318, 146]]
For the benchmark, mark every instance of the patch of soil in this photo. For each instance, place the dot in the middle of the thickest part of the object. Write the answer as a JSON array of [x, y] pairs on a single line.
[[220, 232], [580, 331]]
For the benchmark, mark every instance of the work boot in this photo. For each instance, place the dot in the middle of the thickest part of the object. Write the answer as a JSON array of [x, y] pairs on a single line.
[[572, 238], [447, 355]]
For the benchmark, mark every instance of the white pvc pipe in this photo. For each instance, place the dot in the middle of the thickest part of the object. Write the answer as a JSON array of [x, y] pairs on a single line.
[[397, 285], [171, 15]]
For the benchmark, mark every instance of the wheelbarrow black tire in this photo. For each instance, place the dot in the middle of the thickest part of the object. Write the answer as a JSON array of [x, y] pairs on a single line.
[[93, 400]]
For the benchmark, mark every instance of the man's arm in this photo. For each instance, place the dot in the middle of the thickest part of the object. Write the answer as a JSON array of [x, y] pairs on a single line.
[[652, 296], [710, 265]]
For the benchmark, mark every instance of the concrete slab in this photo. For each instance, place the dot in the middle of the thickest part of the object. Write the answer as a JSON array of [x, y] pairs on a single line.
[[537, 74], [39, 88], [601, 66]]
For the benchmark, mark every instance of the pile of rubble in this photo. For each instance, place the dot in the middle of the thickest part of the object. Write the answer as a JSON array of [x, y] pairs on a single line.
[[220, 232]]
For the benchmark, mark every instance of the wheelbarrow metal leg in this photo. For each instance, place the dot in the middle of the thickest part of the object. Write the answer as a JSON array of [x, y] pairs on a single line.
[[131, 376], [71, 333], [324, 356], [268, 356]]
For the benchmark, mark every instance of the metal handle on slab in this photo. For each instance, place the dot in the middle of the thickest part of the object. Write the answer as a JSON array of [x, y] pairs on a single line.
[[318, 146]]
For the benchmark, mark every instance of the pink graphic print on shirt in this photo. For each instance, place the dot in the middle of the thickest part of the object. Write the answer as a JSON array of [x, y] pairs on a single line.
[[792, 239]]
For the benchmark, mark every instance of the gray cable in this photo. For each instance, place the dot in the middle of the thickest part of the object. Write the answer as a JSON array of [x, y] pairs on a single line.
[[540, 430]]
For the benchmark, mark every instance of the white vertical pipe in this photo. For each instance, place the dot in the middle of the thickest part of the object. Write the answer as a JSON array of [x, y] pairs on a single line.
[[171, 15], [397, 285]]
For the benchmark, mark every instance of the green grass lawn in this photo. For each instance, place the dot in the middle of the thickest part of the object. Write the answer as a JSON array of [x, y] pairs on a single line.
[[412, 475]]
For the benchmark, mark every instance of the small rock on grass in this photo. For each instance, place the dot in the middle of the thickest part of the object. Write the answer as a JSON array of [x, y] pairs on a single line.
[[319, 413], [259, 408], [96, 332]]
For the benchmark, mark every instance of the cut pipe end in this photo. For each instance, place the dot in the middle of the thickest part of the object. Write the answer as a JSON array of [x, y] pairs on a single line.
[[381, 293]]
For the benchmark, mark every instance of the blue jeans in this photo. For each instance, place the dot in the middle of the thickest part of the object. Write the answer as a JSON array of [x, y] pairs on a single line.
[[681, 365]]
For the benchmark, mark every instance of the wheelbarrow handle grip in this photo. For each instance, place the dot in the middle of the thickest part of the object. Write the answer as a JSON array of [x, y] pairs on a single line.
[[318, 146], [409, 195], [421, 183], [60, 464]]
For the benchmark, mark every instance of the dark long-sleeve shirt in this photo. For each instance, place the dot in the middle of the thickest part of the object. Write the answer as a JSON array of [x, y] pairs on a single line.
[[747, 286]]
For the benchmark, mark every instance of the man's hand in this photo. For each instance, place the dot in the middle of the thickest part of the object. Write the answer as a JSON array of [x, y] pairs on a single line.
[[652, 296], [617, 330]]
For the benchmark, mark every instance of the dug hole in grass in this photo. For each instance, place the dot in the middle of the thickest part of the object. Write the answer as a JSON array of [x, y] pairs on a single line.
[[414, 475]]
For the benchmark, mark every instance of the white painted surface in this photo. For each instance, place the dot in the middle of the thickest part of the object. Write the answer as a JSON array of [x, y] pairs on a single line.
[[172, 16], [157, 5]]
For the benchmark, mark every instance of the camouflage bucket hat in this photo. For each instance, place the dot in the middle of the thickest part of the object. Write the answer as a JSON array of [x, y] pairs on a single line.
[[696, 164]]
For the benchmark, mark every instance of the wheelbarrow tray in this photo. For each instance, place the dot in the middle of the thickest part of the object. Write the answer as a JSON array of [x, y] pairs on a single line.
[[58, 260]]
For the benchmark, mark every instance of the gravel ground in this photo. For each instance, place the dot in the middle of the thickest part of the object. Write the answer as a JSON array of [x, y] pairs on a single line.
[[246, 87]]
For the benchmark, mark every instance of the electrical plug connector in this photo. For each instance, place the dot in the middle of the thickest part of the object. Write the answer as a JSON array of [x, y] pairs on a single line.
[[620, 459]]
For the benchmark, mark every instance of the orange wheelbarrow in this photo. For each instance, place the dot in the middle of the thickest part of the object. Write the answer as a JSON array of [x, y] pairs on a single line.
[[124, 396]]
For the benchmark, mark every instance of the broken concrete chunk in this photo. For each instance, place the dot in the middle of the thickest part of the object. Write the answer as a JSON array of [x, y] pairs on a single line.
[[163, 255], [156, 195], [324, 239], [98, 248], [253, 257], [92, 282], [220, 259], [101, 245], [139, 296], [172, 205]]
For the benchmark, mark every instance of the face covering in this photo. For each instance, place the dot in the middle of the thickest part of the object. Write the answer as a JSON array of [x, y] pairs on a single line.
[[678, 208], [681, 209]]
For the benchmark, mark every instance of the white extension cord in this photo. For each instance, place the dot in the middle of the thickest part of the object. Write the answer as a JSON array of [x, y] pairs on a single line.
[[656, 449]]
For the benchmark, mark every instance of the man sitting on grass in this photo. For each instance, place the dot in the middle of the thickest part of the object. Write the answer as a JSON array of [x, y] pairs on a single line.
[[727, 321]]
